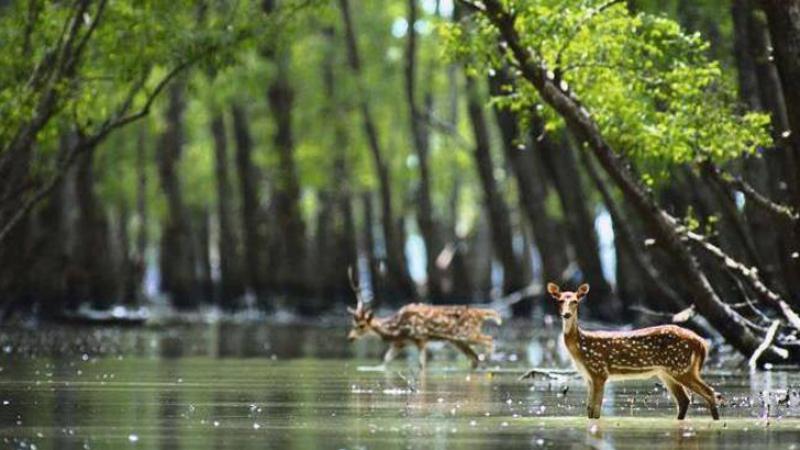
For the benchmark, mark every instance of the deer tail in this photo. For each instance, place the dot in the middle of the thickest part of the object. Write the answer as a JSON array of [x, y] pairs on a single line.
[[701, 354], [490, 314]]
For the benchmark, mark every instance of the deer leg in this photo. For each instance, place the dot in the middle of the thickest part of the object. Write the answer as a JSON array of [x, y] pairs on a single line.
[[467, 350], [391, 353], [488, 342], [695, 383], [423, 353], [678, 393], [595, 398]]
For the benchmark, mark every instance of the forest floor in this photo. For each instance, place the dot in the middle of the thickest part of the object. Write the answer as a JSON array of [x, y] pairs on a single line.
[[259, 385]]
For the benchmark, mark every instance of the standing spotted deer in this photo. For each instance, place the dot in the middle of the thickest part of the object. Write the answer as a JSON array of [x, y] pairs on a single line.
[[673, 354], [418, 324]]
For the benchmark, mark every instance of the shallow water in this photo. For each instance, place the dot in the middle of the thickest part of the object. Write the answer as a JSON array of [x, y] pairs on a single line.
[[268, 386]]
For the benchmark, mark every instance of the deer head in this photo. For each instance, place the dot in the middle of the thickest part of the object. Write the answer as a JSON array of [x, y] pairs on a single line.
[[567, 301], [362, 314]]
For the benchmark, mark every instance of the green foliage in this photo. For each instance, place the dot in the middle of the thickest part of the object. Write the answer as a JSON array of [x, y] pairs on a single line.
[[650, 86]]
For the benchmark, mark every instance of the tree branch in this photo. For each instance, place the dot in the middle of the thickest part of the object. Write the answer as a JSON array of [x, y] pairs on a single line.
[[86, 143], [778, 210], [768, 339], [750, 275]]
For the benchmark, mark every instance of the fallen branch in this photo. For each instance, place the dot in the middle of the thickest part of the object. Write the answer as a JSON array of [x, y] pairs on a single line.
[[683, 316], [549, 373], [768, 339]]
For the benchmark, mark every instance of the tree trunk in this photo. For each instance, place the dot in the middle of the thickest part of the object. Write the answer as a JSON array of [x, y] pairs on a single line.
[[514, 276], [202, 245], [559, 162], [398, 281], [33, 261], [129, 275], [250, 207], [532, 189], [231, 287], [290, 236], [741, 12], [456, 282], [324, 248], [369, 242], [631, 255], [343, 251], [783, 19], [291, 276], [94, 238], [420, 137], [142, 234], [750, 38], [177, 259]]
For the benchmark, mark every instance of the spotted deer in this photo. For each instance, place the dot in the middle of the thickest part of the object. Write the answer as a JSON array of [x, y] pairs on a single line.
[[673, 354], [418, 324]]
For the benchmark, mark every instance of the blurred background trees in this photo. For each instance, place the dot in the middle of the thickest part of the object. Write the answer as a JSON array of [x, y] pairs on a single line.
[[245, 154]]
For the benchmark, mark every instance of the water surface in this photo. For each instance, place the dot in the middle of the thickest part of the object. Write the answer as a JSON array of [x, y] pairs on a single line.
[[234, 386]]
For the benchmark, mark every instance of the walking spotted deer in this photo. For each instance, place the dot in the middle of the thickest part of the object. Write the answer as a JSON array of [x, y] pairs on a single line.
[[418, 324], [673, 354]]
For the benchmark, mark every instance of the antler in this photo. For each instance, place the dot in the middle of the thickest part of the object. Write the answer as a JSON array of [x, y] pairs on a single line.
[[357, 290]]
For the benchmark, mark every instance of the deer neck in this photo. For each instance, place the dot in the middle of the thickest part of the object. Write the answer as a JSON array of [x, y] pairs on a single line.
[[572, 331], [380, 328]]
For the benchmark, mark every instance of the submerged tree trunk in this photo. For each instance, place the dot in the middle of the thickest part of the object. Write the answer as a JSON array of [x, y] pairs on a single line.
[[231, 287], [420, 137], [177, 259], [397, 280], [253, 239], [514, 277]]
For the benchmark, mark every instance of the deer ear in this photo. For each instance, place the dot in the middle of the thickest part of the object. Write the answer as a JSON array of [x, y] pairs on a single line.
[[583, 290], [368, 315], [351, 310], [553, 290]]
